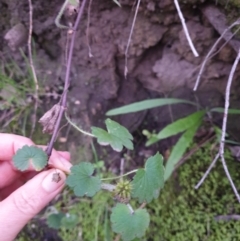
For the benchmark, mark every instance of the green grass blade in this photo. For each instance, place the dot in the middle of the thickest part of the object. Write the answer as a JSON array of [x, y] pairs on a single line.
[[146, 104], [178, 126], [221, 110], [180, 148]]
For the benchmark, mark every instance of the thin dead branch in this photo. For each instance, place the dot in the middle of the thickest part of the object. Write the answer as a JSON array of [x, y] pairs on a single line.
[[224, 125], [63, 101], [227, 217], [212, 49], [223, 135], [32, 67], [130, 38], [185, 29], [208, 171]]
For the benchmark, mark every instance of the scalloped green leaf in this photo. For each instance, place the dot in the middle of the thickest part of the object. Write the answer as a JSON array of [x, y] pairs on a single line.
[[81, 180], [148, 181], [129, 225], [69, 221], [116, 136], [30, 156], [54, 220]]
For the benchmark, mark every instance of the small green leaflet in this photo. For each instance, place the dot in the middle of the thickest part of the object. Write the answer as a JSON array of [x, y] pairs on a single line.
[[116, 136], [69, 221], [54, 220], [57, 220], [146, 104], [177, 126], [30, 156], [180, 148], [129, 225], [230, 111], [82, 181], [148, 181]]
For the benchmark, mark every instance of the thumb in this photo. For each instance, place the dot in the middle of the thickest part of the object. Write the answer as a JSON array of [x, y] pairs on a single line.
[[23, 204]]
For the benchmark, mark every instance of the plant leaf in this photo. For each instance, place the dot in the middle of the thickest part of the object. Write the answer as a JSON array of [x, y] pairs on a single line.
[[54, 220], [69, 221], [30, 155], [146, 104], [221, 110], [116, 136], [180, 148], [148, 181], [129, 225], [178, 126], [82, 181]]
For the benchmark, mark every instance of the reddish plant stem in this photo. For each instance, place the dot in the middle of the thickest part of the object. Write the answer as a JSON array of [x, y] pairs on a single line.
[[63, 101]]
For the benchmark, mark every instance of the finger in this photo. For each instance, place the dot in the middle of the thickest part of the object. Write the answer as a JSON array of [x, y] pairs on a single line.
[[8, 174], [65, 154], [10, 143], [57, 160], [7, 187], [27, 201]]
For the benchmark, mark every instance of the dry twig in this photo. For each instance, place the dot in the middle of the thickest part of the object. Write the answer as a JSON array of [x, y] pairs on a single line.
[[185, 29], [224, 125], [63, 102], [208, 171], [130, 38], [211, 50], [87, 31], [32, 67]]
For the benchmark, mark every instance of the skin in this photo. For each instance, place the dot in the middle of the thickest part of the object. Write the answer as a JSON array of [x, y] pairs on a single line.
[[25, 194]]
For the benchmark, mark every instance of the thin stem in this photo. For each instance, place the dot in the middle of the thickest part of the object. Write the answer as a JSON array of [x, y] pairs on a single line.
[[32, 66], [224, 125], [57, 20], [113, 178], [185, 29], [210, 52], [76, 127], [130, 38], [63, 101], [130, 208], [108, 187]]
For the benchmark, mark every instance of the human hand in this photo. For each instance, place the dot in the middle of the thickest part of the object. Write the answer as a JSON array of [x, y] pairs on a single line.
[[20, 202]]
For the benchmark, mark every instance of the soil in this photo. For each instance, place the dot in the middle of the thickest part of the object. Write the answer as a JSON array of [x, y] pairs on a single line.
[[160, 62]]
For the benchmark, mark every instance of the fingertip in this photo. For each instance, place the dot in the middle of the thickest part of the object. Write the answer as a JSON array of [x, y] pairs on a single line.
[[28, 200], [65, 154]]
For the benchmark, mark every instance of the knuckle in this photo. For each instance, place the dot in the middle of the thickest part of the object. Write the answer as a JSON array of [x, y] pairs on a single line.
[[26, 204]]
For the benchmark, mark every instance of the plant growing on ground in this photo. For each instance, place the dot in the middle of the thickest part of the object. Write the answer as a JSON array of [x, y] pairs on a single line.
[[145, 185], [147, 182], [188, 126]]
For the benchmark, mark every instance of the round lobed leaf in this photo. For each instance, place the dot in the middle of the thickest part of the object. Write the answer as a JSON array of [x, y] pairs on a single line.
[[129, 225], [82, 181], [148, 181], [30, 155], [54, 220]]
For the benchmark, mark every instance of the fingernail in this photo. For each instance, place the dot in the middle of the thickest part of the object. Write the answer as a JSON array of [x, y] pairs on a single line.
[[50, 184]]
